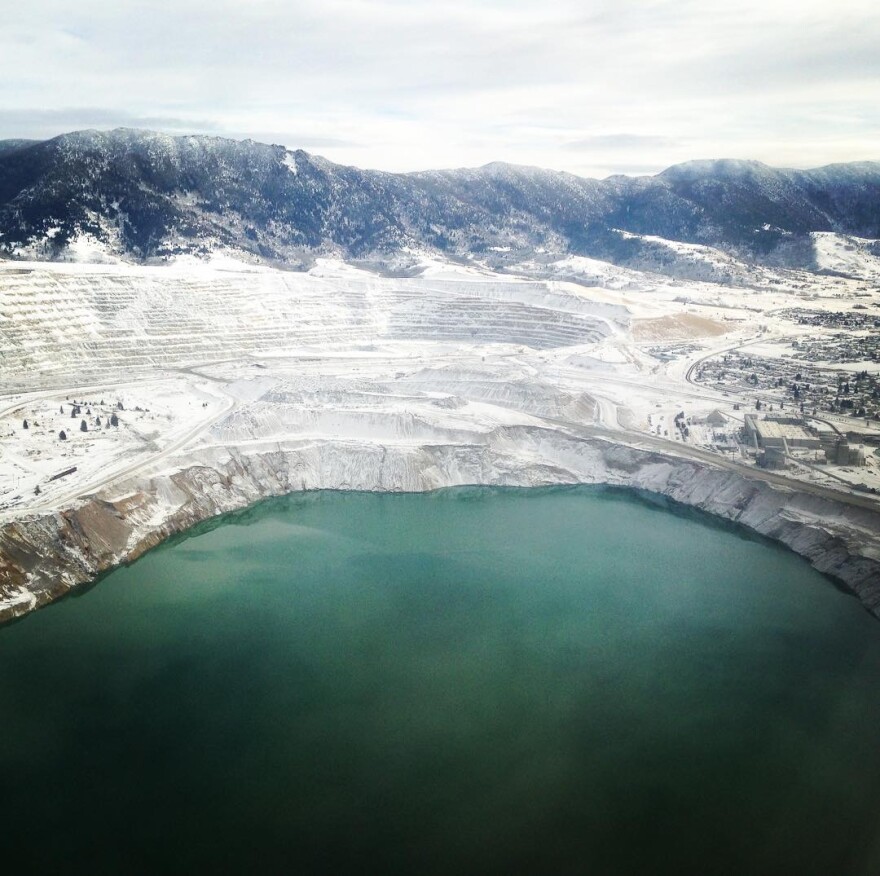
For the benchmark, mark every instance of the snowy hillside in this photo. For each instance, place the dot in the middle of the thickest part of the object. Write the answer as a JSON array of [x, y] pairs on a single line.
[[141, 196], [847, 255]]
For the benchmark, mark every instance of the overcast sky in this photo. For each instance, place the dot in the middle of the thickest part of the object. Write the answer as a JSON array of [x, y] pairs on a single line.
[[590, 86]]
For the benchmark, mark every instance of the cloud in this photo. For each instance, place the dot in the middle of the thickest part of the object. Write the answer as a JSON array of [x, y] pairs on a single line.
[[632, 169], [401, 85], [296, 141], [48, 123], [620, 142]]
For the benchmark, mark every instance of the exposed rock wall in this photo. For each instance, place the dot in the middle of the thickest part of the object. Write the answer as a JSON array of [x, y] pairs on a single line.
[[44, 556]]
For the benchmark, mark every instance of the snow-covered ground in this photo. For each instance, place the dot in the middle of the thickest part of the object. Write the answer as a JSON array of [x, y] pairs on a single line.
[[56, 445], [853, 256], [225, 355]]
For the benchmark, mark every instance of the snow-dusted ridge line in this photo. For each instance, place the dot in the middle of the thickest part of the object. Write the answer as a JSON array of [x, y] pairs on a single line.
[[140, 195], [44, 556]]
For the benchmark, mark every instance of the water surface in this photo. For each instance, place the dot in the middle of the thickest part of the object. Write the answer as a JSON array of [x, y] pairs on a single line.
[[470, 681]]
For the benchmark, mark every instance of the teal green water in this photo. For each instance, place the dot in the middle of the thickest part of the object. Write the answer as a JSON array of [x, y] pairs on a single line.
[[561, 681]]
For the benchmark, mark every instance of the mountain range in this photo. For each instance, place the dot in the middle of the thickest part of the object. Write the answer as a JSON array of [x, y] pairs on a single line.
[[147, 196]]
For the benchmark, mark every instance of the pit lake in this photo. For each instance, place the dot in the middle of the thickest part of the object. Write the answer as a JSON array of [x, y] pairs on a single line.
[[472, 681]]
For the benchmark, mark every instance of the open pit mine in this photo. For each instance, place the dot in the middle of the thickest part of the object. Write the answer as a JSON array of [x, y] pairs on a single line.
[[138, 400]]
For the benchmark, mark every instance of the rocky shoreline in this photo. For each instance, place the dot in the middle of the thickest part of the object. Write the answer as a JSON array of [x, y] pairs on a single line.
[[45, 556]]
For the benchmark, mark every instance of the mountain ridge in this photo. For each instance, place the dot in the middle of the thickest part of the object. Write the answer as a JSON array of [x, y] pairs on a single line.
[[144, 195]]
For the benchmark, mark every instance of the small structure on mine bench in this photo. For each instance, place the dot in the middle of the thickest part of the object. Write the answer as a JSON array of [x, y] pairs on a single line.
[[63, 474]]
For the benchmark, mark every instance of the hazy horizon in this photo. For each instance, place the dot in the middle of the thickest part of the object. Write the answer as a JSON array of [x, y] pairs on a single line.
[[317, 153]]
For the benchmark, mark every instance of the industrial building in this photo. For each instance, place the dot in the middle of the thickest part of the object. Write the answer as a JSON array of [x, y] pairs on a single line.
[[773, 458], [785, 433], [841, 452]]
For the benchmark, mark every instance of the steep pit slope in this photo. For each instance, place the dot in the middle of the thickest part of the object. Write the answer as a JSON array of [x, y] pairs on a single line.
[[44, 556]]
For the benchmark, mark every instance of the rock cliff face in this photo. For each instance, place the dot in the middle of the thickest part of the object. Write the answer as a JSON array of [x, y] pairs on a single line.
[[42, 557]]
